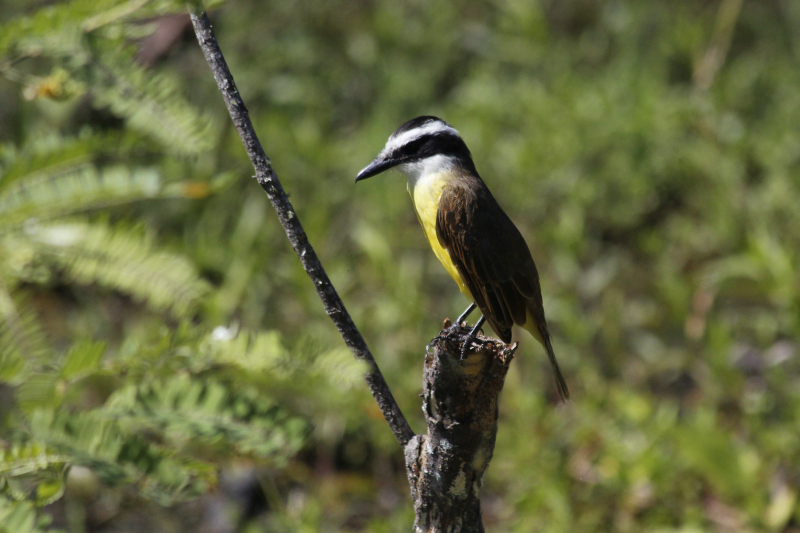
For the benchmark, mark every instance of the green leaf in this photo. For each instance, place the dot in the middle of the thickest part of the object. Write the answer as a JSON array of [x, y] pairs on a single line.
[[23, 345], [38, 391], [80, 189], [152, 104], [52, 155], [20, 517], [83, 357], [50, 490], [32, 464]]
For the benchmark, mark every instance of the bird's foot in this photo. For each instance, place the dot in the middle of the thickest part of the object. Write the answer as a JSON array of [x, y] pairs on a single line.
[[450, 328], [471, 337], [465, 348], [453, 328]]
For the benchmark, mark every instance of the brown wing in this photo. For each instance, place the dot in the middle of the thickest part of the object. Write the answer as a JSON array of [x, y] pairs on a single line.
[[489, 253]]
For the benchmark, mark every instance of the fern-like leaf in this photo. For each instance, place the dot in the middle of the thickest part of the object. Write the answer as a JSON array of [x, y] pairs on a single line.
[[120, 259], [23, 343], [151, 103], [32, 469], [51, 155], [53, 195], [192, 412], [20, 517], [59, 29]]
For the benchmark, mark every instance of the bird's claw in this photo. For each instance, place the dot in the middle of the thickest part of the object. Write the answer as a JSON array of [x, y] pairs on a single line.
[[455, 327], [465, 349], [471, 336]]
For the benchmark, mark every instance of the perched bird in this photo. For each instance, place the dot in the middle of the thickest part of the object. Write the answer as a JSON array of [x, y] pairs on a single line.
[[471, 235]]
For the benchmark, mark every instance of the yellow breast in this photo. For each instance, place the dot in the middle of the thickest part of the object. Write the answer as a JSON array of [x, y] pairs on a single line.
[[425, 193]]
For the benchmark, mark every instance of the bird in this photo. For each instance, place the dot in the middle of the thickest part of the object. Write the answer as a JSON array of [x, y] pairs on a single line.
[[473, 238]]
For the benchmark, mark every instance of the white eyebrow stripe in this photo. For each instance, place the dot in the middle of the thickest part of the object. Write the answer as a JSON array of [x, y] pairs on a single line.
[[411, 135]]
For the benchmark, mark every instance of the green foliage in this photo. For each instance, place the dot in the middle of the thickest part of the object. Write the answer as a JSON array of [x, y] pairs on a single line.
[[158, 411], [151, 104], [162, 431], [648, 151], [87, 44], [45, 240], [20, 518]]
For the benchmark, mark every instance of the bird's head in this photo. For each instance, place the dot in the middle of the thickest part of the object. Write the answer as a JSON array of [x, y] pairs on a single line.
[[421, 145]]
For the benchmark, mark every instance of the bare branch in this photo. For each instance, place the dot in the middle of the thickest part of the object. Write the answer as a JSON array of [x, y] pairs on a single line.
[[266, 177]]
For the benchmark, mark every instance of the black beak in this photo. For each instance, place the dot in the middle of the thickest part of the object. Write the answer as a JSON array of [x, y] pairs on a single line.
[[376, 167]]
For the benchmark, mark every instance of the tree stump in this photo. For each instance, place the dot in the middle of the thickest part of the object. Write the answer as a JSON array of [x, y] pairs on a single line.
[[446, 466]]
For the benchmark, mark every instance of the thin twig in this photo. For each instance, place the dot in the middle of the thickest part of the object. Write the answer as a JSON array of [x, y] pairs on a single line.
[[294, 231], [707, 69]]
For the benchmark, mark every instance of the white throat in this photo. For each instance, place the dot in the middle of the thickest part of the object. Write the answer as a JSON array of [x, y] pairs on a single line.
[[426, 169]]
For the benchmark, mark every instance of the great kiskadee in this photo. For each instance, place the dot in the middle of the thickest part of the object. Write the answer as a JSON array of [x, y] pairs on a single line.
[[471, 235]]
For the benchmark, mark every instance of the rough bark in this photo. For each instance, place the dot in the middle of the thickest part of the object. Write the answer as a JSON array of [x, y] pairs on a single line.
[[446, 466]]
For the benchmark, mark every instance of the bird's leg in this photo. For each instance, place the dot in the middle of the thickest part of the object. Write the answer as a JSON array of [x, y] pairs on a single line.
[[472, 334], [455, 326], [465, 314]]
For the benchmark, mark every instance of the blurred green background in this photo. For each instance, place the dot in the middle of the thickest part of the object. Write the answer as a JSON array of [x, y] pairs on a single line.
[[165, 364]]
